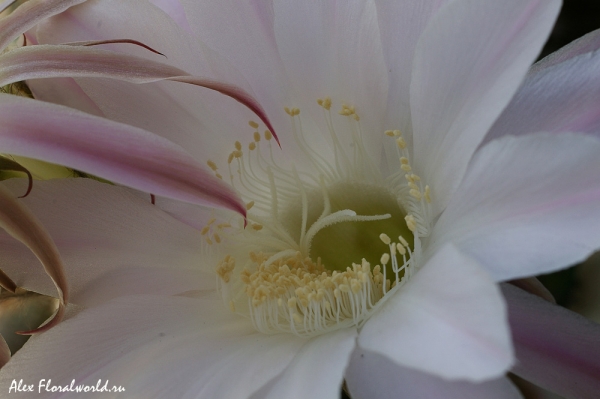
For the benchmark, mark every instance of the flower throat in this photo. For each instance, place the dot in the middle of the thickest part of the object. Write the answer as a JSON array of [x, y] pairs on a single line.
[[317, 254]]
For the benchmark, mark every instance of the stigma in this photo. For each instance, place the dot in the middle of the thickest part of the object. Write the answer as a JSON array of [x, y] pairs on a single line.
[[322, 250]]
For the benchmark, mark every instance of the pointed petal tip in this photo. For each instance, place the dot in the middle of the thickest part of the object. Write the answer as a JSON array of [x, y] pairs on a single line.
[[53, 321], [114, 41]]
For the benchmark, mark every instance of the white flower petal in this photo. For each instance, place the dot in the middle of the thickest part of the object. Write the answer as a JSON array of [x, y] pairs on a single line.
[[559, 98], [527, 205], [102, 231], [468, 64], [401, 24], [371, 375], [334, 49], [449, 320], [317, 371], [188, 348]]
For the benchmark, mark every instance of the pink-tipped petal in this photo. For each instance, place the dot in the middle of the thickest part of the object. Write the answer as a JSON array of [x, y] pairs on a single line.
[[4, 352], [234, 92], [28, 15], [563, 97], [19, 222], [91, 43], [556, 349], [51, 61], [117, 152]]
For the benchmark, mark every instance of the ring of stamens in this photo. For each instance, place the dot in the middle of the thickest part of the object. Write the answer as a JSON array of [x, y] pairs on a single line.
[[270, 277]]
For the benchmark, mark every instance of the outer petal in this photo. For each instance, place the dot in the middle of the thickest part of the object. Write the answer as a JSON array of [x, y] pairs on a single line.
[[20, 223], [556, 348], [317, 371], [528, 205], [449, 320], [204, 122], [156, 347], [112, 242], [371, 375], [585, 44], [114, 151], [47, 61], [468, 64], [558, 98], [29, 14]]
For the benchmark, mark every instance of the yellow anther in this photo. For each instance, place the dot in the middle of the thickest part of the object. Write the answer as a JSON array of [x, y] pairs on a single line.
[[355, 117], [205, 230], [223, 225], [411, 223], [249, 205], [415, 194], [230, 159], [401, 143], [295, 111], [252, 146], [211, 164], [211, 221], [217, 238], [218, 176], [344, 288], [238, 153], [288, 111], [320, 101], [232, 306], [403, 241], [385, 238], [327, 103], [256, 136], [257, 226], [427, 194], [385, 258], [389, 133], [405, 168], [253, 124], [404, 161], [208, 240], [397, 133], [292, 302], [268, 135], [238, 146], [415, 177], [400, 249]]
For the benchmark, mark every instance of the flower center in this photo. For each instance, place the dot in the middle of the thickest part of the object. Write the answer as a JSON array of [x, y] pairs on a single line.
[[317, 254]]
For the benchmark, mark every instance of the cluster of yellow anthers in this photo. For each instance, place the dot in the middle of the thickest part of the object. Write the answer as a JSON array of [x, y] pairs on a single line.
[[301, 296], [419, 197], [212, 233]]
